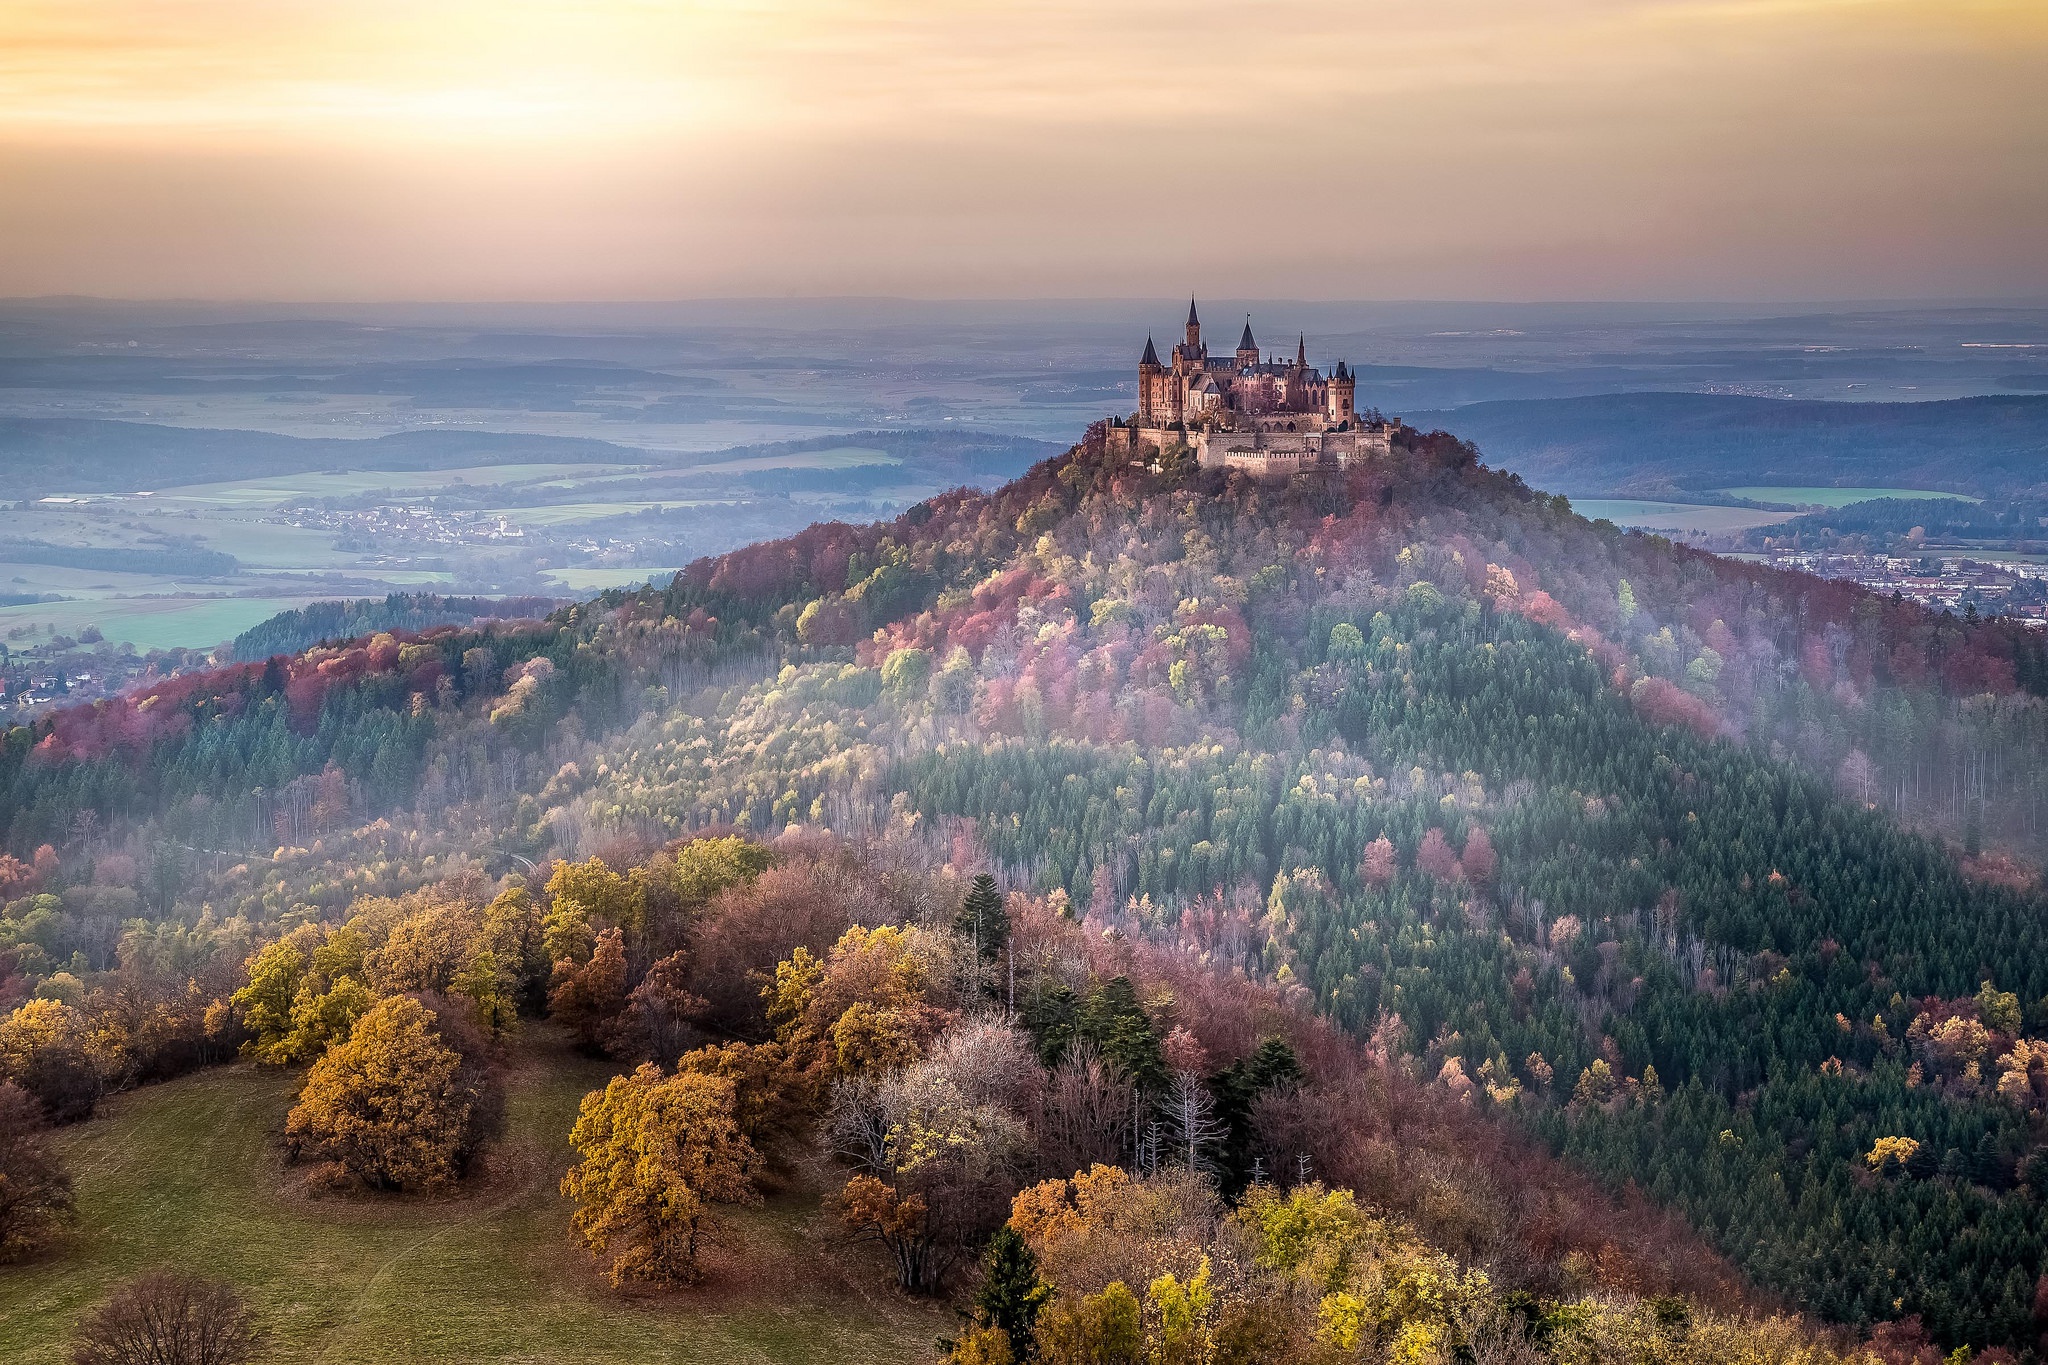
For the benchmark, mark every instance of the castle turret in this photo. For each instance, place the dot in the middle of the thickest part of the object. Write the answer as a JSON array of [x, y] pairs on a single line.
[[1151, 387], [1194, 328], [1247, 349], [1301, 353], [1342, 391]]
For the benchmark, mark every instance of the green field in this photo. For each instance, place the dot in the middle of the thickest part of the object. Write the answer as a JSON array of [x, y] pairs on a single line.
[[1835, 497], [153, 622], [188, 1173], [597, 580], [272, 491], [845, 457], [1676, 516], [568, 513]]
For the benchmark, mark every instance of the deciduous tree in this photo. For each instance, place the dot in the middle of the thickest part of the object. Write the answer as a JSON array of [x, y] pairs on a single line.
[[168, 1317], [35, 1190], [389, 1108], [655, 1152]]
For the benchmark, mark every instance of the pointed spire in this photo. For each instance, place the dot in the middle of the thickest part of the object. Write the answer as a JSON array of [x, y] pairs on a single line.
[[1342, 373], [1193, 321], [1301, 352], [1151, 356], [1245, 342]]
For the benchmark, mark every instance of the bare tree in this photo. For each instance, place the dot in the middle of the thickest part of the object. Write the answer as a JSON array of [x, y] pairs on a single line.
[[1192, 1129], [1087, 1114], [857, 1125], [167, 1317]]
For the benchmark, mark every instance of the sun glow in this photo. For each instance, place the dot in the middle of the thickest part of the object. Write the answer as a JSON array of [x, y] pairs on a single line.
[[1575, 146]]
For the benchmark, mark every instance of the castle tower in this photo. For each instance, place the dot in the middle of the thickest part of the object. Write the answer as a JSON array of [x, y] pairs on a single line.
[[1343, 390], [1301, 353], [1194, 329], [1151, 386], [1247, 349]]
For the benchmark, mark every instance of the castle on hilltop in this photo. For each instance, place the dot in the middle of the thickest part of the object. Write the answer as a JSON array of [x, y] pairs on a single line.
[[1269, 416]]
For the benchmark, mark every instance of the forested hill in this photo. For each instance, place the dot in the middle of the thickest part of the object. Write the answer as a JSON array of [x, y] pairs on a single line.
[[1700, 871]]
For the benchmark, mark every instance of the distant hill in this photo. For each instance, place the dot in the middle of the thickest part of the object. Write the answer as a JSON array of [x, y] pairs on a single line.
[[289, 632], [1667, 444], [49, 455], [54, 455]]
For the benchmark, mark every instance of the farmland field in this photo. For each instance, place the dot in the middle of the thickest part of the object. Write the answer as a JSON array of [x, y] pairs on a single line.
[[269, 492], [1835, 497], [155, 622], [566, 513], [1676, 516], [597, 580], [189, 1173], [843, 457]]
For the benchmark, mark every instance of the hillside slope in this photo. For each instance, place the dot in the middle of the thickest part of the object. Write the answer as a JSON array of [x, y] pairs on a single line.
[[189, 1172], [1577, 826]]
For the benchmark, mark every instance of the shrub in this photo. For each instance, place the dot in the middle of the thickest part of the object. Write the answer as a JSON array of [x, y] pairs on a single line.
[[167, 1317], [35, 1191]]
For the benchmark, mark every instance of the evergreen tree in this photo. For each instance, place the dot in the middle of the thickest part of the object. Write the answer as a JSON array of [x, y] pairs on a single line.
[[1011, 1292], [983, 920]]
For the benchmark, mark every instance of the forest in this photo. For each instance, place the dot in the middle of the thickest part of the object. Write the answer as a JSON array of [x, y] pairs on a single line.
[[1532, 848]]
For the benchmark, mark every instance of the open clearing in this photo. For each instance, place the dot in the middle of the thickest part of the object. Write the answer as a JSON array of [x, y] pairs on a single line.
[[568, 513], [188, 1173], [597, 580], [843, 457], [268, 492], [1836, 497], [154, 622], [1676, 516]]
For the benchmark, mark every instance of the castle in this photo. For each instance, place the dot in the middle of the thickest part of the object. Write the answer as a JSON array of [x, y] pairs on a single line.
[[1270, 417]]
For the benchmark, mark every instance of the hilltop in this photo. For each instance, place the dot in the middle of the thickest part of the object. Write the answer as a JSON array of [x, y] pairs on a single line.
[[1687, 869]]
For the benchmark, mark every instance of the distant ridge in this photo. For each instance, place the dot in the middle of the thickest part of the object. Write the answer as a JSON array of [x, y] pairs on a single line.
[[48, 455], [1665, 444]]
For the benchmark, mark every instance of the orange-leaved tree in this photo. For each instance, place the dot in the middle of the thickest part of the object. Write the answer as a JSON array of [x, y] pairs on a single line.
[[656, 1151], [390, 1108]]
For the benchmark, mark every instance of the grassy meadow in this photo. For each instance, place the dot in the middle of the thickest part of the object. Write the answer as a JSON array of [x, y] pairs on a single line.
[[154, 622], [189, 1173], [1676, 516], [1835, 497]]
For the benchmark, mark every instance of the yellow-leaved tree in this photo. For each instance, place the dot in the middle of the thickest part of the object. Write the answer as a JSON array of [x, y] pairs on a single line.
[[390, 1107], [656, 1151]]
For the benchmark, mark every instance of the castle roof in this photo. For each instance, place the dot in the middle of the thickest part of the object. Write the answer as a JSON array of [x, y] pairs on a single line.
[[1193, 321], [1342, 373], [1151, 356], [1245, 342]]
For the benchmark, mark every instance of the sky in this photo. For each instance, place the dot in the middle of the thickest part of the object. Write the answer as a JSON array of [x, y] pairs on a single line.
[[1338, 149]]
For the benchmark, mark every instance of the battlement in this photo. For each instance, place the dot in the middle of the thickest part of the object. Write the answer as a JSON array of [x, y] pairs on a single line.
[[1264, 453]]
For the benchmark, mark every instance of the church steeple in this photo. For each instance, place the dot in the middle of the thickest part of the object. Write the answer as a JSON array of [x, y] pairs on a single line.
[[1301, 353]]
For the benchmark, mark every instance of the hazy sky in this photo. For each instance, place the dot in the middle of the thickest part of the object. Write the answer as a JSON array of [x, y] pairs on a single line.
[[628, 149]]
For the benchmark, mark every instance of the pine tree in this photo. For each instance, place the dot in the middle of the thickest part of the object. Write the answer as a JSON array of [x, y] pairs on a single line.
[[1011, 1292], [983, 920]]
